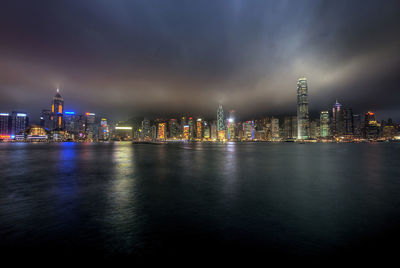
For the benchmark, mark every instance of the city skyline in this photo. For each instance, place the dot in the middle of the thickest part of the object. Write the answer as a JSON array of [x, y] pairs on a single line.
[[340, 125], [156, 58]]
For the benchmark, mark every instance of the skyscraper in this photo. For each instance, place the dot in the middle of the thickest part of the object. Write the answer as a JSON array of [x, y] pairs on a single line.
[[290, 127], [173, 128], [5, 123], [348, 123], [19, 122], [145, 129], [371, 127], [275, 129], [46, 120], [199, 128], [57, 110], [220, 119], [324, 124], [91, 126], [161, 131], [302, 109], [337, 120], [191, 128]]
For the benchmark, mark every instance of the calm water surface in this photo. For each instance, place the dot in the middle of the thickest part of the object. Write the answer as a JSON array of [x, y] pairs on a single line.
[[253, 199]]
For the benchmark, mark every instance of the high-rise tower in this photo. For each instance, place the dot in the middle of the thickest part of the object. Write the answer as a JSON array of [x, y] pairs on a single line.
[[302, 109], [57, 110], [220, 119], [337, 119], [324, 124]]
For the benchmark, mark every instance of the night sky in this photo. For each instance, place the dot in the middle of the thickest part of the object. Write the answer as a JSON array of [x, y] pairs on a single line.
[[148, 58]]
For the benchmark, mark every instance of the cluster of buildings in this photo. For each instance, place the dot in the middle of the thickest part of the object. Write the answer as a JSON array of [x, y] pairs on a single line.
[[57, 124], [339, 124]]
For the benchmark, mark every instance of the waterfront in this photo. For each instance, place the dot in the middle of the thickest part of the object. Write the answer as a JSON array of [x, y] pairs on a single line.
[[199, 199]]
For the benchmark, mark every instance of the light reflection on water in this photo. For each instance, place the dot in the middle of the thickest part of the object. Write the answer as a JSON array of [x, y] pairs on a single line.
[[120, 198]]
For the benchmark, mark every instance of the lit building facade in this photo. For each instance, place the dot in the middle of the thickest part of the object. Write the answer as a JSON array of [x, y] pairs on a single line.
[[371, 127], [275, 129], [248, 130], [199, 128], [173, 128], [220, 119], [46, 120], [19, 122], [191, 128], [91, 126], [290, 128], [161, 131], [348, 123], [324, 124], [337, 120], [57, 111], [104, 131], [303, 119], [5, 123], [186, 132]]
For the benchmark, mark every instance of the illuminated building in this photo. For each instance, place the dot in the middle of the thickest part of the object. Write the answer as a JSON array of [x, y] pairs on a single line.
[[388, 132], [275, 129], [5, 123], [186, 132], [153, 132], [213, 131], [145, 134], [371, 126], [248, 130], [122, 132], [221, 135], [324, 124], [314, 129], [220, 121], [57, 111], [337, 120], [104, 132], [183, 123], [302, 109], [199, 128], [74, 124], [173, 127], [290, 127], [206, 130], [36, 133], [357, 125], [161, 131], [231, 129], [231, 126], [46, 120], [191, 128], [347, 123], [91, 127], [19, 122]]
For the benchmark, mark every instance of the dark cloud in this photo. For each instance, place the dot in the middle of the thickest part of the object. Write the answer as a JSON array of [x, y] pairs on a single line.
[[126, 58]]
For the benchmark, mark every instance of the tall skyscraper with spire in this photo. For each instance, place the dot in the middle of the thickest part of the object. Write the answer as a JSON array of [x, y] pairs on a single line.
[[303, 119], [220, 119], [57, 110], [220, 123], [337, 119]]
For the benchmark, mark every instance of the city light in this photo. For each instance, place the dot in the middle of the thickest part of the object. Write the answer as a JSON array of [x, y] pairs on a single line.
[[130, 128], [4, 114], [90, 114], [69, 113], [21, 114]]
